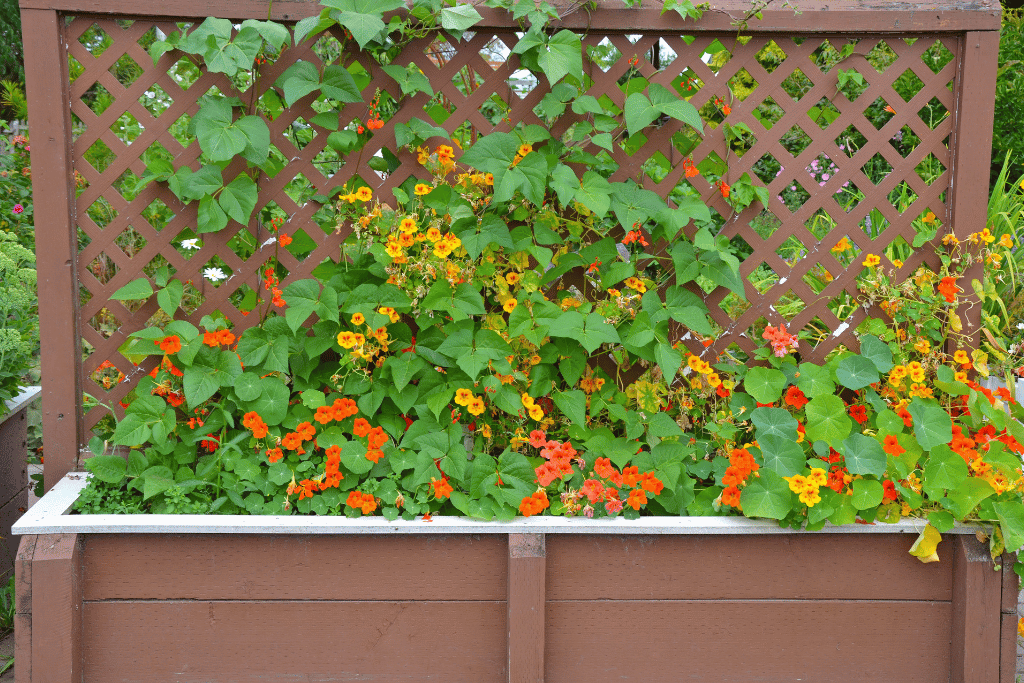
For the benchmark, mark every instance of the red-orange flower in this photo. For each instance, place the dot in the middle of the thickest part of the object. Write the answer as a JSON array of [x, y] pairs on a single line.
[[275, 454], [361, 427], [796, 398], [442, 489], [170, 344], [534, 504], [891, 445], [948, 289], [637, 499]]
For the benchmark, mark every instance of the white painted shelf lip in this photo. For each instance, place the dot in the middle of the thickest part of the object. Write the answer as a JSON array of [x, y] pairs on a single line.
[[50, 516], [27, 395]]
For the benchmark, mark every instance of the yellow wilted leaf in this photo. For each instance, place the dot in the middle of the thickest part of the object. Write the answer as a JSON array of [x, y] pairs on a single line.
[[925, 545], [955, 323], [980, 359]]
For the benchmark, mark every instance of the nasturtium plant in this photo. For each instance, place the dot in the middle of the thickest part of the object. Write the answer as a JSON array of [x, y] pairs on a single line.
[[503, 336]]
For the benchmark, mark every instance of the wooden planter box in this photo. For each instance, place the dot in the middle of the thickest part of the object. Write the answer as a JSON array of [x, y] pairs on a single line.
[[195, 599], [13, 473]]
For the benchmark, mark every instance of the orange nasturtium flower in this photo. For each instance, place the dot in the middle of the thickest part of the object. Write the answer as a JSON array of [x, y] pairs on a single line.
[[171, 344], [872, 260]]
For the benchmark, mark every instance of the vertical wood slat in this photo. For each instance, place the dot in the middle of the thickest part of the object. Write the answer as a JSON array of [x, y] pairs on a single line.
[[1008, 634], [526, 601], [23, 609], [971, 143], [57, 609], [977, 602], [49, 108]]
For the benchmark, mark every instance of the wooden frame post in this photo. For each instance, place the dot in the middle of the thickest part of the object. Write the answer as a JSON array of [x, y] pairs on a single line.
[[1008, 625], [971, 143], [53, 651], [977, 600], [49, 109], [527, 560]]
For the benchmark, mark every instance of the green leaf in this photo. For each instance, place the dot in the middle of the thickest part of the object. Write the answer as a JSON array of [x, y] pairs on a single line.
[[815, 380], [668, 360], [639, 113], [410, 79], [964, 498], [774, 421], [781, 455], [238, 199], [594, 193], [257, 138], [363, 27], [460, 17], [275, 34], [108, 468], [867, 493], [562, 56], [156, 480], [764, 384], [1011, 523], [864, 455], [573, 404], [339, 85], [247, 386], [944, 470], [827, 420], [211, 218], [932, 425], [135, 290], [767, 496], [299, 80], [876, 351], [169, 298], [856, 372], [669, 104], [211, 370]]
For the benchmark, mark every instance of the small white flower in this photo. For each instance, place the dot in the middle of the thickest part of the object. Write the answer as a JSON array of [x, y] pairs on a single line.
[[1020, 326], [214, 274], [190, 244]]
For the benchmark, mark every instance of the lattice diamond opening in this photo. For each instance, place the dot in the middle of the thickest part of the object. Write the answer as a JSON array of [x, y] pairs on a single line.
[[881, 56], [155, 100], [797, 84], [823, 113], [933, 113], [97, 98], [937, 57], [768, 113], [877, 168], [130, 242], [126, 70], [795, 141], [908, 85], [95, 40], [930, 170]]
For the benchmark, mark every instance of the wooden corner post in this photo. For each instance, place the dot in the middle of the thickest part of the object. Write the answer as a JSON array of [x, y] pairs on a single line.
[[53, 187], [977, 600], [1008, 617], [48, 626], [971, 143], [526, 598]]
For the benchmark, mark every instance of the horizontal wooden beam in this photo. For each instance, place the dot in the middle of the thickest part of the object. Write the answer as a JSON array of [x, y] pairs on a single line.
[[866, 16]]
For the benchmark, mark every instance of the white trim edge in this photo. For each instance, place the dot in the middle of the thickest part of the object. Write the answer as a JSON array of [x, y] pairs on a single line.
[[50, 516], [22, 400]]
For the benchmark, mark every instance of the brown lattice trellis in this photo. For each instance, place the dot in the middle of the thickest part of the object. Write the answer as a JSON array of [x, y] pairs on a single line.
[[781, 101]]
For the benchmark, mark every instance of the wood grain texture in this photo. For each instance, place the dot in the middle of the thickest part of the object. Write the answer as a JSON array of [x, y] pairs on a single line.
[[754, 567], [23, 609], [57, 610], [272, 567], [743, 641], [49, 109], [1008, 648], [203, 641], [872, 16], [526, 603], [976, 615], [1011, 583]]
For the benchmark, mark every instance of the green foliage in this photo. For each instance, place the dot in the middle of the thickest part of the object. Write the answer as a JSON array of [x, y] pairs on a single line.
[[1008, 132]]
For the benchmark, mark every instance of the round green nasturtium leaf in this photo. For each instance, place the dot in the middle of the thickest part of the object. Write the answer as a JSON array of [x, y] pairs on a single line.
[[765, 384], [856, 372], [864, 455], [767, 496], [867, 493], [827, 420], [781, 455]]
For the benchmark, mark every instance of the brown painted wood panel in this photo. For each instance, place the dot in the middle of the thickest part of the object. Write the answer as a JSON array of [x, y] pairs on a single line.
[[49, 110], [203, 641], [57, 609], [976, 613], [526, 602], [23, 609], [1008, 648], [744, 641], [845, 567], [852, 17], [272, 567]]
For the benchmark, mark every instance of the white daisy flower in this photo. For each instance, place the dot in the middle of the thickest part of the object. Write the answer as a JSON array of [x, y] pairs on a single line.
[[190, 244], [214, 274]]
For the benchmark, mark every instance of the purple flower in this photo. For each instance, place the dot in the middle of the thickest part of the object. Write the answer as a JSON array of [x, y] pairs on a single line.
[[18, 208]]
